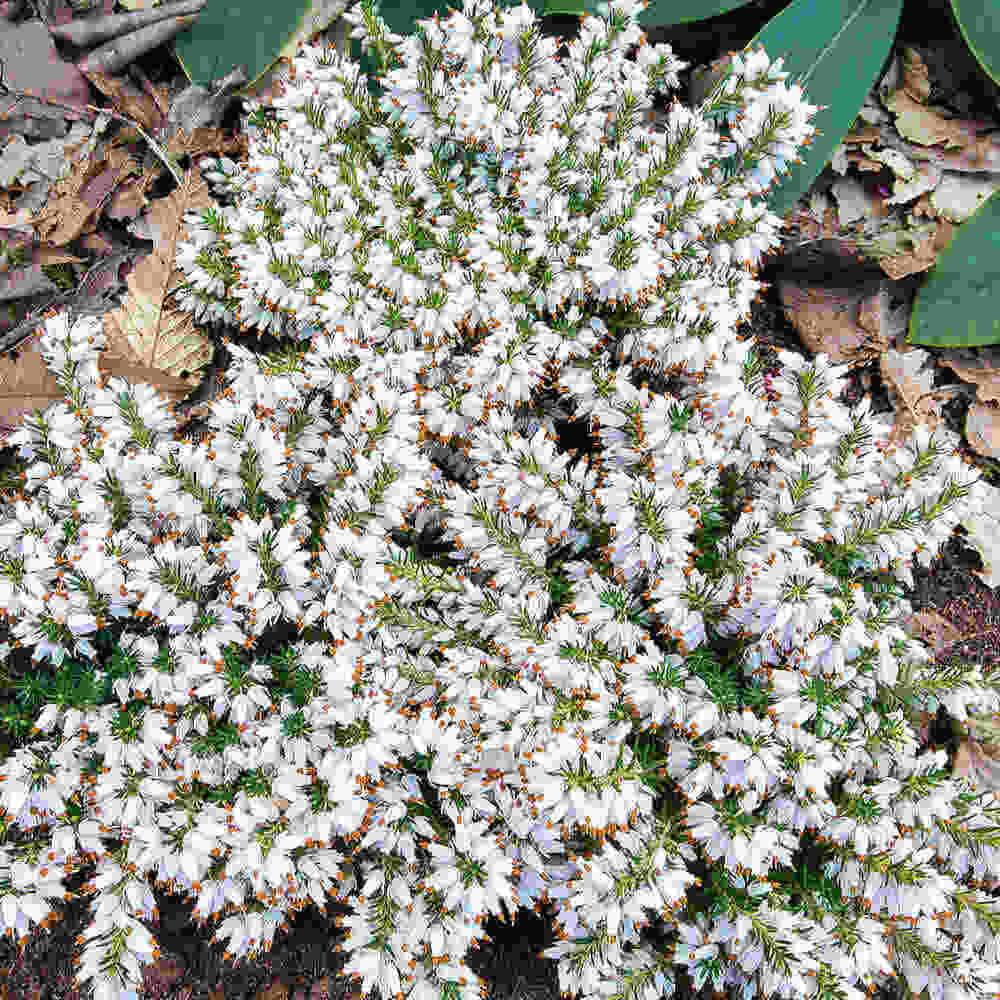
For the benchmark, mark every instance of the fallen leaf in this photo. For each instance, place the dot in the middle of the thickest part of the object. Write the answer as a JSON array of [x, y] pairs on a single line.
[[146, 333], [982, 428], [911, 389], [51, 255], [853, 200], [916, 81], [956, 196], [275, 990], [925, 177], [923, 125], [973, 762], [32, 65], [933, 628], [981, 367], [841, 320], [26, 385], [927, 243], [129, 100], [862, 133], [75, 202]]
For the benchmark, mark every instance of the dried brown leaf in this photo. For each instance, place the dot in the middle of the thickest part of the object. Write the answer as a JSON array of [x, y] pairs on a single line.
[[911, 387], [129, 100], [26, 385], [981, 367], [75, 201], [274, 990], [916, 80], [933, 628], [923, 125], [146, 331], [982, 428]]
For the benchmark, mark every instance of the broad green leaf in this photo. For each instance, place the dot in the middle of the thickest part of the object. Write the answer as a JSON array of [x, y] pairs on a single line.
[[834, 49], [662, 13], [573, 7], [979, 23], [671, 12], [255, 33], [956, 306]]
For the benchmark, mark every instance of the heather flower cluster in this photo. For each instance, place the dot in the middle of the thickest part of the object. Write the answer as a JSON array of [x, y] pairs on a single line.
[[646, 683]]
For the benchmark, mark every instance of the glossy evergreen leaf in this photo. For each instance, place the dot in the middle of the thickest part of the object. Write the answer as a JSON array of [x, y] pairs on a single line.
[[979, 23], [834, 49], [663, 13], [254, 33], [956, 305], [671, 12]]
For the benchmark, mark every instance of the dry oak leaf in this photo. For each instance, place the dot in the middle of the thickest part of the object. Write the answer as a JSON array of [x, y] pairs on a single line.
[[911, 388], [837, 320], [26, 384], [923, 125], [146, 333], [982, 429], [130, 101], [75, 201]]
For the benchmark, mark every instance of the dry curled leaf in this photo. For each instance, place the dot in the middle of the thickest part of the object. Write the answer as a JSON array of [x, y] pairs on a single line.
[[981, 367], [847, 321], [911, 387]]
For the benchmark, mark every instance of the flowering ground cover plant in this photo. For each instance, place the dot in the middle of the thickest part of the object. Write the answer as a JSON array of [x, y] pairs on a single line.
[[641, 676]]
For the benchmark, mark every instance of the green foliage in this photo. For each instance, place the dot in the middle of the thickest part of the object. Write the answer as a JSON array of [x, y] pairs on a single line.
[[73, 684], [955, 306], [252, 33]]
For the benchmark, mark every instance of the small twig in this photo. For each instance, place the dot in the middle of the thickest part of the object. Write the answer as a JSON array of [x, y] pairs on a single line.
[[119, 52], [147, 85], [168, 161], [27, 327], [84, 31]]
